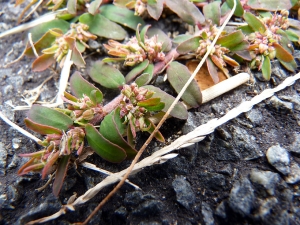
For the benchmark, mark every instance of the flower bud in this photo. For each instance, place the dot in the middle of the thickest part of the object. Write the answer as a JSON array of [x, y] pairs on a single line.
[[88, 114]]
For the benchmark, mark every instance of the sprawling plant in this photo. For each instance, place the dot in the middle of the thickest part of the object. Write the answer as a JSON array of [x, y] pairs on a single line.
[[150, 52]]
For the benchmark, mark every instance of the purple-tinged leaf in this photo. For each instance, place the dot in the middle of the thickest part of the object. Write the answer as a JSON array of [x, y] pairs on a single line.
[[72, 6], [137, 70], [76, 55], [186, 10], [269, 5], [50, 117], [161, 37], [266, 68], [109, 130], [212, 11], [103, 27], [188, 45], [146, 77], [244, 55], [60, 174], [212, 70], [285, 42], [294, 23], [219, 63], [80, 86], [179, 110], [155, 9], [231, 40], [94, 7], [178, 75], [152, 127], [43, 62], [106, 75], [291, 66], [239, 11], [40, 128], [255, 23], [49, 164], [29, 167], [122, 16], [282, 54], [103, 147]]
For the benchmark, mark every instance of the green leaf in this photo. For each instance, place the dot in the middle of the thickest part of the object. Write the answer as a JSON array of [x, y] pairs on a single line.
[[152, 104], [94, 7], [136, 71], [246, 29], [146, 77], [294, 37], [291, 66], [155, 8], [112, 128], [103, 147], [50, 117], [239, 11], [270, 5], [122, 16], [231, 40], [254, 22], [188, 45], [179, 110], [186, 10], [181, 38], [40, 128], [106, 75], [103, 27], [43, 62], [143, 33], [212, 11], [38, 31], [80, 86], [178, 75], [44, 42], [282, 54], [60, 174], [266, 68], [242, 46], [161, 37]]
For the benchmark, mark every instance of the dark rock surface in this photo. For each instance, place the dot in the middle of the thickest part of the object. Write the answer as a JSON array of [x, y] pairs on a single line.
[[229, 178]]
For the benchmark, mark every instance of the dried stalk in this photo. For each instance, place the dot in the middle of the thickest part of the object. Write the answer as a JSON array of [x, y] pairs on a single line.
[[140, 152]]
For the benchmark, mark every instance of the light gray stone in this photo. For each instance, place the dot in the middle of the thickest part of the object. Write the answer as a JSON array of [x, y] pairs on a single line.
[[279, 158], [3, 158], [184, 193], [294, 175], [241, 199], [267, 179], [207, 214]]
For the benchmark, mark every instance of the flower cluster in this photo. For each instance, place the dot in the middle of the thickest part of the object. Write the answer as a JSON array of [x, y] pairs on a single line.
[[277, 21], [83, 110], [130, 109], [64, 42], [135, 52]]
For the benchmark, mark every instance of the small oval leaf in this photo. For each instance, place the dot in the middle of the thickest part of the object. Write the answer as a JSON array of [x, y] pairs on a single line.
[[103, 147], [106, 75], [146, 77], [103, 27], [80, 86], [266, 68], [254, 22], [188, 46], [40, 128], [50, 117], [179, 110], [178, 75], [137, 70]]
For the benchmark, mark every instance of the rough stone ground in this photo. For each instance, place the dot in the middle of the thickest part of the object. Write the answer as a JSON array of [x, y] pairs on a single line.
[[246, 172]]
